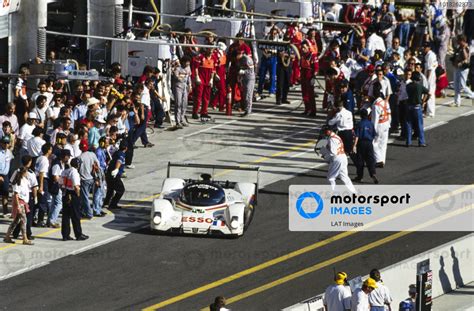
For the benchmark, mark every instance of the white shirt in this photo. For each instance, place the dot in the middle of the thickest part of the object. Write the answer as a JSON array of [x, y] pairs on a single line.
[[337, 298], [386, 87], [30, 178], [57, 169], [360, 301], [431, 63], [145, 97], [335, 146], [23, 190], [26, 133], [375, 42], [48, 95], [70, 178], [380, 296], [42, 166], [34, 146], [343, 120], [75, 150]]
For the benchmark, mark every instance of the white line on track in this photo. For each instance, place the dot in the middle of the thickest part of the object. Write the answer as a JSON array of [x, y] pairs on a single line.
[[100, 243], [432, 126], [467, 113], [24, 270]]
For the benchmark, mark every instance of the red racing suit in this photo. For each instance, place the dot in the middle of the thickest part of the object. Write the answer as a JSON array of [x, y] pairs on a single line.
[[309, 69], [220, 59], [205, 67]]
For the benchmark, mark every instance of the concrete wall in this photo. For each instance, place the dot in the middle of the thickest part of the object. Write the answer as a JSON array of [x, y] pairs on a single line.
[[451, 264]]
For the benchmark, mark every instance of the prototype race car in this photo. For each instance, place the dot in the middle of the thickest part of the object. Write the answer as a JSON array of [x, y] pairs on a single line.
[[205, 206]]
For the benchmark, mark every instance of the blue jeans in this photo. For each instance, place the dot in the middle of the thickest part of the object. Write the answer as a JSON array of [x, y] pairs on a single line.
[[373, 308], [98, 198], [140, 131], [415, 118], [460, 79], [404, 35], [56, 207], [267, 64], [86, 188]]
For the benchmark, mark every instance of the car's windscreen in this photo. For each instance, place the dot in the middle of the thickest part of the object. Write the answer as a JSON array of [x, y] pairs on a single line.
[[202, 195]]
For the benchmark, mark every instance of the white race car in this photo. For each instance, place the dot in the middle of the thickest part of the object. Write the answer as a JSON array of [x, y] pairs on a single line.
[[205, 206]]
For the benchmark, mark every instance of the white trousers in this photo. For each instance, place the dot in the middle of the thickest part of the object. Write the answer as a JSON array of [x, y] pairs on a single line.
[[380, 142], [431, 107], [338, 168]]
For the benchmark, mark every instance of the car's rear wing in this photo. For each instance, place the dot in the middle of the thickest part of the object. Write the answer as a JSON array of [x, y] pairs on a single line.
[[218, 167]]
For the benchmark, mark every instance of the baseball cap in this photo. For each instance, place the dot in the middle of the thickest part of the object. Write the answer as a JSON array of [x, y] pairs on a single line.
[[92, 101], [340, 278], [370, 282], [32, 115], [61, 135]]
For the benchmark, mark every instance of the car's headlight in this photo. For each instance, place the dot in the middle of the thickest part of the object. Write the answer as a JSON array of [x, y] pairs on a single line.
[[157, 218], [234, 223]]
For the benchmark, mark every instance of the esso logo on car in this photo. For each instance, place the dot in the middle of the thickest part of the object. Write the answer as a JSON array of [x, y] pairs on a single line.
[[197, 219]]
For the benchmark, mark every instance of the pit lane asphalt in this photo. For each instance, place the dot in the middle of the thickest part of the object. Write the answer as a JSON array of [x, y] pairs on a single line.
[[143, 269]]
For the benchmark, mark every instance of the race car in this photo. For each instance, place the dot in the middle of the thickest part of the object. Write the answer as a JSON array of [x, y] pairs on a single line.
[[205, 206]]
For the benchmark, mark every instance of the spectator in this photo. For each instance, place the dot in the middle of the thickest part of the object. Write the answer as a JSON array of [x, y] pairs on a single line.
[[460, 61], [5, 159], [7, 130], [42, 169], [42, 90], [21, 193], [338, 296], [34, 145], [73, 145], [360, 297], [379, 298], [88, 171], [11, 117], [26, 163], [26, 132], [417, 98]]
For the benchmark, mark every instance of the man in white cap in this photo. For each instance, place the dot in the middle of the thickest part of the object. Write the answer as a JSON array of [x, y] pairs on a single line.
[[26, 132]]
